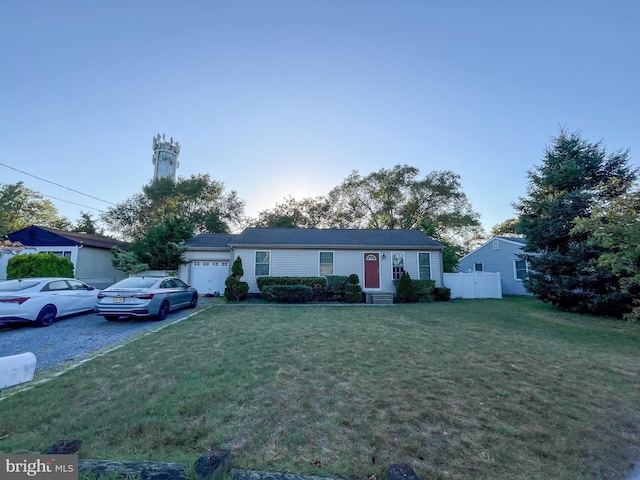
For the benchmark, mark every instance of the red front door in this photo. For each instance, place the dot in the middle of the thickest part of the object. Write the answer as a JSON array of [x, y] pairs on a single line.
[[371, 270]]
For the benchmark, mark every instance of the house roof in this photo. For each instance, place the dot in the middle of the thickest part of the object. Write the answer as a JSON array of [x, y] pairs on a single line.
[[211, 241], [36, 236], [318, 238], [520, 240]]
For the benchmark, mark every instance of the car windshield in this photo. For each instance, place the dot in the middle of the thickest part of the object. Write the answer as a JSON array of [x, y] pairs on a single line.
[[136, 283], [13, 286]]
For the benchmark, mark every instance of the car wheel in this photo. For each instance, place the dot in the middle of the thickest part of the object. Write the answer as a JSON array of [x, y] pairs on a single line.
[[163, 311], [46, 316], [194, 301], [111, 318]]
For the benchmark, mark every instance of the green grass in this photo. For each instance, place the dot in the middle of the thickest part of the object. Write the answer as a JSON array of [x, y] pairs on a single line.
[[484, 389]]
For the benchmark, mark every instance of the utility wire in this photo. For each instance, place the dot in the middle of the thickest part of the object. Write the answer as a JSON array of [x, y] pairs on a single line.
[[61, 186], [63, 200]]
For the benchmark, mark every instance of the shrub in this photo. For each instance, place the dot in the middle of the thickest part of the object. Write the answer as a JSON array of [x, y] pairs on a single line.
[[317, 284], [406, 289], [287, 293], [236, 269], [353, 293], [442, 294], [424, 290], [353, 279], [235, 290], [41, 264], [335, 289]]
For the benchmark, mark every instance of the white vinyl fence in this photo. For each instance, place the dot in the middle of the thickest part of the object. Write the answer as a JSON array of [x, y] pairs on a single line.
[[474, 285]]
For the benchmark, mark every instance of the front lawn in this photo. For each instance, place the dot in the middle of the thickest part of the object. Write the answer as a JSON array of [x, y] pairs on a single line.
[[475, 389]]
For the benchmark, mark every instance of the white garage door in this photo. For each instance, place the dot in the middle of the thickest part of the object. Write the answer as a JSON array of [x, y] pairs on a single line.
[[208, 276]]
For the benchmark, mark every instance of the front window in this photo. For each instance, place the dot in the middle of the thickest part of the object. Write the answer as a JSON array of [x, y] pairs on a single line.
[[397, 261], [521, 269], [263, 260], [326, 263], [424, 265]]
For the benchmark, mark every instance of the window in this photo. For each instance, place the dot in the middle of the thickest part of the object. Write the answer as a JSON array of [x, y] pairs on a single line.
[[76, 285], [263, 260], [326, 263], [397, 262], [478, 267], [521, 269], [60, 254], [424, 265], [56, 285], [496, 244]]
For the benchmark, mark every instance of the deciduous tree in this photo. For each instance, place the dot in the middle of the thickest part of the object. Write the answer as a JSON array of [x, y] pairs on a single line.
[[20, 207], [198, 199]]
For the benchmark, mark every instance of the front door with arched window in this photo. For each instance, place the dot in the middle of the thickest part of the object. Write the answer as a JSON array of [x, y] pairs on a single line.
[[371, 270]]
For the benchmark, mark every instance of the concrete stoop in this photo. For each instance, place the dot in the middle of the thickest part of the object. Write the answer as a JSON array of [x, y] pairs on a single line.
[[380, 298]]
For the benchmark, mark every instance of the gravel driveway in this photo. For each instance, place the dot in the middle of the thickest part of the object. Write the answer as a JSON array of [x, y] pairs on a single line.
[[76, 337]]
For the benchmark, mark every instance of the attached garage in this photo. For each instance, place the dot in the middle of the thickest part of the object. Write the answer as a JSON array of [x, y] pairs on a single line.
[[208, 276], [207, 266]]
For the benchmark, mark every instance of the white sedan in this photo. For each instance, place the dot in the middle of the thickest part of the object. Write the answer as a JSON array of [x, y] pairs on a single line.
[[43, 300]]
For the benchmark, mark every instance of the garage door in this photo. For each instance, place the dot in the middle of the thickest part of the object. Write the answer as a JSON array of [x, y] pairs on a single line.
[[209, 276]]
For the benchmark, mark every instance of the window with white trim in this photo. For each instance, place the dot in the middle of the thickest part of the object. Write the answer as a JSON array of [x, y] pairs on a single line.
[[478, 267], [326, 263], [58, 253], [424, 265], [521, 269], [263, 263], [397, 264]]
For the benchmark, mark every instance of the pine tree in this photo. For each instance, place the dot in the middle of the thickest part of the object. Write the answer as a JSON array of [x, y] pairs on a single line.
[[574, 178]]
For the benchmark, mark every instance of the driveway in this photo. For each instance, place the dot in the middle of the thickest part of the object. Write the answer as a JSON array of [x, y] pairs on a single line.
[[76, 337]]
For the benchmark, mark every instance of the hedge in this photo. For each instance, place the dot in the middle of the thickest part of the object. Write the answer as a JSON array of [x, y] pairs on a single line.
[[409, 290], [287, 293], [442, 294], [336, 288], [317, 284]]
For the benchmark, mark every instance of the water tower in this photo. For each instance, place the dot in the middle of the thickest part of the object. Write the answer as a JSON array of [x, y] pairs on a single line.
[[165, 157]]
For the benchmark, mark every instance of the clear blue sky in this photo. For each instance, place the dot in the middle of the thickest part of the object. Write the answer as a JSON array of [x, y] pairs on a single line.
[[277, 98]]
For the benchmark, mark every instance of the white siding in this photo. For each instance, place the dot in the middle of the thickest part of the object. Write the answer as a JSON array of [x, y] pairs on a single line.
[[184, 271], [305, 263]]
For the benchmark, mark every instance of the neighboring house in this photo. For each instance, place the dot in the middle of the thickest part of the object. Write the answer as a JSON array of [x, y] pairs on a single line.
[[90, 254], [376, 256], [500, 254]]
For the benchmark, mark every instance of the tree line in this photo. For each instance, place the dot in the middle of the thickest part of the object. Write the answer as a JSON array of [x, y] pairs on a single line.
[[580, 218]]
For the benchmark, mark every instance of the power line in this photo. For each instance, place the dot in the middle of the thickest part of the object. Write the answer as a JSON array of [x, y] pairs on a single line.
[[63, 200], [58, 185]]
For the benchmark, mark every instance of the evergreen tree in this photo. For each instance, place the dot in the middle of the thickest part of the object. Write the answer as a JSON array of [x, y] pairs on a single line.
[[575, 177]]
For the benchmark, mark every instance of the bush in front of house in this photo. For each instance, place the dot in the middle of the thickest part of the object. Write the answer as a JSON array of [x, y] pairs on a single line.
[[424, 290], [335, 289], [353, 291], [317, 284], [43, 264], [442, 294], [406, 289], [236, 290], [236, 269], [287, 293]]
